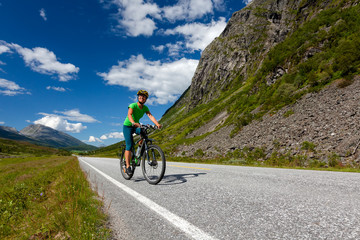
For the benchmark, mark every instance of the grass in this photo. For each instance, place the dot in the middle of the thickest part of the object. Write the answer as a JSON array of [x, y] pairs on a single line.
[[276, 161], [48, 197]]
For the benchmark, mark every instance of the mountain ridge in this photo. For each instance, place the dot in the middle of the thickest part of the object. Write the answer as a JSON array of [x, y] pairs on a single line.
[[44, 136], [271, 55]]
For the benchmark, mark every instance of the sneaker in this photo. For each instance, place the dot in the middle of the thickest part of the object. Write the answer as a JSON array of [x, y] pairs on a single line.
[[153, 163], [129, 171]]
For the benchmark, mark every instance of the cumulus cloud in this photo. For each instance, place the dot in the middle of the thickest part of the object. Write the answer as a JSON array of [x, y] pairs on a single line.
[[137, 17], [247, 1], [60, 120], [165, 81], [4, 48], [43, 61], [10, 88], [117, 135], [199, 35], [94, 139], [75, 115], [59, 89], [58, 123], [43, 14], [188, 9], [173, 49]]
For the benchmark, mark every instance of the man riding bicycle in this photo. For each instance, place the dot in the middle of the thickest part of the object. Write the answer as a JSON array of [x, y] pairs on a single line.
[[131, 124]]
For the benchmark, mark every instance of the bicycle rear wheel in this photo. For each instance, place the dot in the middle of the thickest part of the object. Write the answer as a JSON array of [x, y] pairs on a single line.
[[153, 164], [123, 166]]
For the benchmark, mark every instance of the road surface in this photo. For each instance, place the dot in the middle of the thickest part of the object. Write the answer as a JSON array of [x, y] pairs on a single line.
[[198, 201]]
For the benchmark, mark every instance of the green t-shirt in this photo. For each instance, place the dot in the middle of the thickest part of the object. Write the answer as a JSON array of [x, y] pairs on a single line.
[[137, 113]]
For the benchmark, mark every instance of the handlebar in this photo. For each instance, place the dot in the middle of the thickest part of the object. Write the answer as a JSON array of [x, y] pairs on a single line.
[[147, 126]]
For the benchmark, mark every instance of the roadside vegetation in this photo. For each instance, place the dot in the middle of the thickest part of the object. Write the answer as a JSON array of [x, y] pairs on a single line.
[[47, 196], [11, 148], [254, 157]]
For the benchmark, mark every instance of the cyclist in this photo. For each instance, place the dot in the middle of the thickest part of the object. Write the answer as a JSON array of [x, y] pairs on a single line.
[[131, 124]]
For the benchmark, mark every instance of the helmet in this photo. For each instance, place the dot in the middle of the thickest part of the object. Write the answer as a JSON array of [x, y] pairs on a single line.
[[143, 92]]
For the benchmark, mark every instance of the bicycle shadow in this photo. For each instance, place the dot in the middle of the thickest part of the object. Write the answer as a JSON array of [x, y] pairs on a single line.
[[175, 178]]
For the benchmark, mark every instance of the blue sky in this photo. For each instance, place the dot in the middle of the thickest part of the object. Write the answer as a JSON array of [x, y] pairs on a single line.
[[75, 65]]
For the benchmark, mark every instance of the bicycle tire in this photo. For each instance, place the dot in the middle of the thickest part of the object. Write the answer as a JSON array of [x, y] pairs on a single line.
[[123, 166], [153, 164]]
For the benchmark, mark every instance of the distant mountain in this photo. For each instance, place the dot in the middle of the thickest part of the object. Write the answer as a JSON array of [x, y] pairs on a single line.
[[12, 133], [45, 136]]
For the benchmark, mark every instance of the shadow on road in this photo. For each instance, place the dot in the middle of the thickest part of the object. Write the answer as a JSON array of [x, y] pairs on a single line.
[[174, 178], [179, 178]]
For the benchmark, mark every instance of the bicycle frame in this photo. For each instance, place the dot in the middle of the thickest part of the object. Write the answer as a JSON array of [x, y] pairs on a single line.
[[144, 147]]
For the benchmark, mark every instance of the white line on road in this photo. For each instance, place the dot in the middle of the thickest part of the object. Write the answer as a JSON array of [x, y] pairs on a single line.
[[191, 230]]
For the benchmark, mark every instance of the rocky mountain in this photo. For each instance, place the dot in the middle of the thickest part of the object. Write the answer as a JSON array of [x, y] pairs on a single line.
[[282, 78], [45, 136], [12, 133]]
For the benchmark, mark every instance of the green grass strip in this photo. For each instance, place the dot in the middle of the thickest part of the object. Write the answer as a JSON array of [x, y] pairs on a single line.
[[48, 198]]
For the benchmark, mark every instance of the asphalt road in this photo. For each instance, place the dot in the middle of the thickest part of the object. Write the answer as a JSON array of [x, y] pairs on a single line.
[[197, 201]]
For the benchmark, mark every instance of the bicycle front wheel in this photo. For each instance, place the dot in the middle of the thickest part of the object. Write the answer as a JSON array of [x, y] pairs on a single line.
[[153, 164]]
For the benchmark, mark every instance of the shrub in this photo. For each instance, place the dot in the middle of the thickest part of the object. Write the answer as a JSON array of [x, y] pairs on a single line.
[[334, 160], [199, 153], [308, 146]]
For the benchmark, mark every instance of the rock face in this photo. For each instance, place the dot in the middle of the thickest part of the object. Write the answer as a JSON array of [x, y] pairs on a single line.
[[242, 46], [318, 125], [329, 119]]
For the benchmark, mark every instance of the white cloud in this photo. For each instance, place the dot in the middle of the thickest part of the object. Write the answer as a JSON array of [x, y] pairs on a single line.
[[43, 14], [137, 17], [164, 81], [94, 139], [174, 49], [219, 5], [117, 135], [247, 1], [159, 48], [199, 35], [60, 121], [188, 9], [75, 115], [43, 61], [4, 48], [2, 123], [10, 88], [59, 89]]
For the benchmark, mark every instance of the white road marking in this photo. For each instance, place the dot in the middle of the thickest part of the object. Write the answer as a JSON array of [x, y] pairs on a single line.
[[188, 228]]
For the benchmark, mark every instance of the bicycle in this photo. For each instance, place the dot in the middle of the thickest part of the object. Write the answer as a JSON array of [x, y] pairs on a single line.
[[151, 156]]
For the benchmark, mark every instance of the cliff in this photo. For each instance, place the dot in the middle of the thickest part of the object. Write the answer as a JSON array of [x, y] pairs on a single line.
[[269, 83]]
